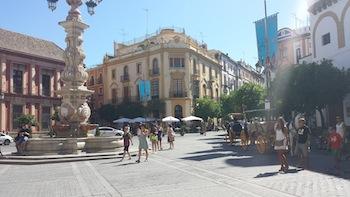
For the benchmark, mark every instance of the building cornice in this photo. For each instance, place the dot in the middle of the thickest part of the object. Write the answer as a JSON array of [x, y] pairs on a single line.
[[320, 6], [31, 56], [120, 60]]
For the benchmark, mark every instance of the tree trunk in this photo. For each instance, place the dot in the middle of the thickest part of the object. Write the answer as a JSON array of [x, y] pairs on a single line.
[[322, 118]]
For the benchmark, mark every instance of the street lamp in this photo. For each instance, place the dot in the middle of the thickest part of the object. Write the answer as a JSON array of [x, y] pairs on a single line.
[[74, 110], [91, 4], [52, 4], [258, 67]]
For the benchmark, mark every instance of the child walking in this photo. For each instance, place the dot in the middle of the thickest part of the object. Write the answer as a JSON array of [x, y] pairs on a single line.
[[154, 139], [335, 142], [127, 138], [171, 136], [143, 145]]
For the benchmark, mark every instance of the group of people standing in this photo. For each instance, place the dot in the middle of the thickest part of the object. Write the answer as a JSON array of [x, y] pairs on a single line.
[[336, 140], [21, 139], [154, 132], [282, 143], [291, 138]]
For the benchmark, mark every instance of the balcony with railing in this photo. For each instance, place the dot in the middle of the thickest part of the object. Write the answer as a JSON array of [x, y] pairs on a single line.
[[46, 92], [177, 94], [154, 72], [124, 78], [99, 80]]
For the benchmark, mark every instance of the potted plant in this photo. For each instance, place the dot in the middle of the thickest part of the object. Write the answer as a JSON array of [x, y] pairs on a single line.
[[27, 120]]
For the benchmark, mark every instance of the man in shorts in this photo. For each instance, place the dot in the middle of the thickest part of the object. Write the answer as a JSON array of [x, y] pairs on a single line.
[[303, 143]]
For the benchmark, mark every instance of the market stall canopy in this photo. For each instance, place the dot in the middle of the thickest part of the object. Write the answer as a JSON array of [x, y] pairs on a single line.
[[192, 118], [170, 119], [150, 119], [122, 120], [138, 119]]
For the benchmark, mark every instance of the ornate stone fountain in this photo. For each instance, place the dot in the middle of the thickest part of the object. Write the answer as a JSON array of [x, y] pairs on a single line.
[[74, 111]]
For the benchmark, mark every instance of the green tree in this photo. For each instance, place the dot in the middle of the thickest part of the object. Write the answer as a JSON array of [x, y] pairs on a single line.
[[227, 104], [206, 107], [130, 110], [309, 87], [249, 96], [107, 113], [26, 119], [155, 106]]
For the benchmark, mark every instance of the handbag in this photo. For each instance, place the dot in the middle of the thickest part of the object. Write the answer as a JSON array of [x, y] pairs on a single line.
[[279, 142]]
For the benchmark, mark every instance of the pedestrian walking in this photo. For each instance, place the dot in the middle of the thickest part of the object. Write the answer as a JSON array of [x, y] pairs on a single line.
[[335, 144], [340, 127], [160, 136], [245, 135], [143, 144], [127, 138], [256, 128], [154, 139], [171, 136], [236, 129], [303, 144], [227, 127], [292, 134], [281, 144]]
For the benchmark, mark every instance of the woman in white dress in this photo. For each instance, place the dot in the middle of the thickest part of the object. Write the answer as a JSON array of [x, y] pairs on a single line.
[[281, 144]]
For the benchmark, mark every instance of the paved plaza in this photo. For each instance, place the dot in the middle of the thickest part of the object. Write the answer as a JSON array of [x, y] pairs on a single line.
[[199, 166]]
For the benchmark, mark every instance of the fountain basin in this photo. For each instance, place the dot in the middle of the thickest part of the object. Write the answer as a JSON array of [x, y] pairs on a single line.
[[51, 146], [63, 146], [103, 144]]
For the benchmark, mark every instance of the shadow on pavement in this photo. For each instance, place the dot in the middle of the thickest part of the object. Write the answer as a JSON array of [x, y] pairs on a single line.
[[127, 164], [206, 156], [235, 156], [266, 174]]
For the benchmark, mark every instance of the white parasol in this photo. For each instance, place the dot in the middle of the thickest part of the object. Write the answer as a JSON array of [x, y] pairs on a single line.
[[192, 118], [170, 119]]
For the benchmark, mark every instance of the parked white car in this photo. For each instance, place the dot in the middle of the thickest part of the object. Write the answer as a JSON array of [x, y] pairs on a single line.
[[5, 139], [110, 131]]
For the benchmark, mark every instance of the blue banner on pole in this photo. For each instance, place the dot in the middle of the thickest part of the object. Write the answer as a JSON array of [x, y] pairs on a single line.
[[271, 38], [147, 90], [144, 90]]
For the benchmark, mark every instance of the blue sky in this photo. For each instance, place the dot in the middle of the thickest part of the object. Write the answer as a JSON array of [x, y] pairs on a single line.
[[226, 25]]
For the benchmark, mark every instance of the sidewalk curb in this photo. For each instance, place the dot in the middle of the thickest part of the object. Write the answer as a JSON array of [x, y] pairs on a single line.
[[35, 160]]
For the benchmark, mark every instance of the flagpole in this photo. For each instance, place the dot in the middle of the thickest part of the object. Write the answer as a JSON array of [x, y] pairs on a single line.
[[267, 66]]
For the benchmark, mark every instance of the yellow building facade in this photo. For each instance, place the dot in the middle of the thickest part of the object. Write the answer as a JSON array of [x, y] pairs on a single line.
[[179, 68]]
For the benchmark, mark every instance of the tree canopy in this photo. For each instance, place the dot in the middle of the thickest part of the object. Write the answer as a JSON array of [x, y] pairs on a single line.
[[249, 96], [206, 108], [309, 87]]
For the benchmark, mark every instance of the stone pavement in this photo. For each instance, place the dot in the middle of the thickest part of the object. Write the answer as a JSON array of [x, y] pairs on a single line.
[[199, 166]]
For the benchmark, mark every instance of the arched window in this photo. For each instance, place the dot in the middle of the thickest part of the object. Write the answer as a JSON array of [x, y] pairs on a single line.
[[100, 79], [125, 73], [178, 111], [155, 67], [126, 70], [92, 81], [194, 65], [155, 89]]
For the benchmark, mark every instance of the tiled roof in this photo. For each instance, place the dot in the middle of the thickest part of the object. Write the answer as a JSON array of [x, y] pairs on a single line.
[[17, 42]]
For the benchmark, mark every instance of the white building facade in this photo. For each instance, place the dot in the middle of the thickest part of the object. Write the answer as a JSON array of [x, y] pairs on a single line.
[[235, 74], [330, 34]]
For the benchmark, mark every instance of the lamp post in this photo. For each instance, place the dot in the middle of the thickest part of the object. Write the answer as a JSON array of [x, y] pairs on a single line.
[[74, 110], [267, 65]]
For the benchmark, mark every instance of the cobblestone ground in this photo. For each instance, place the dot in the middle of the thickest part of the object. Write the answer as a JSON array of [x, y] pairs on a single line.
[[199, 166]]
